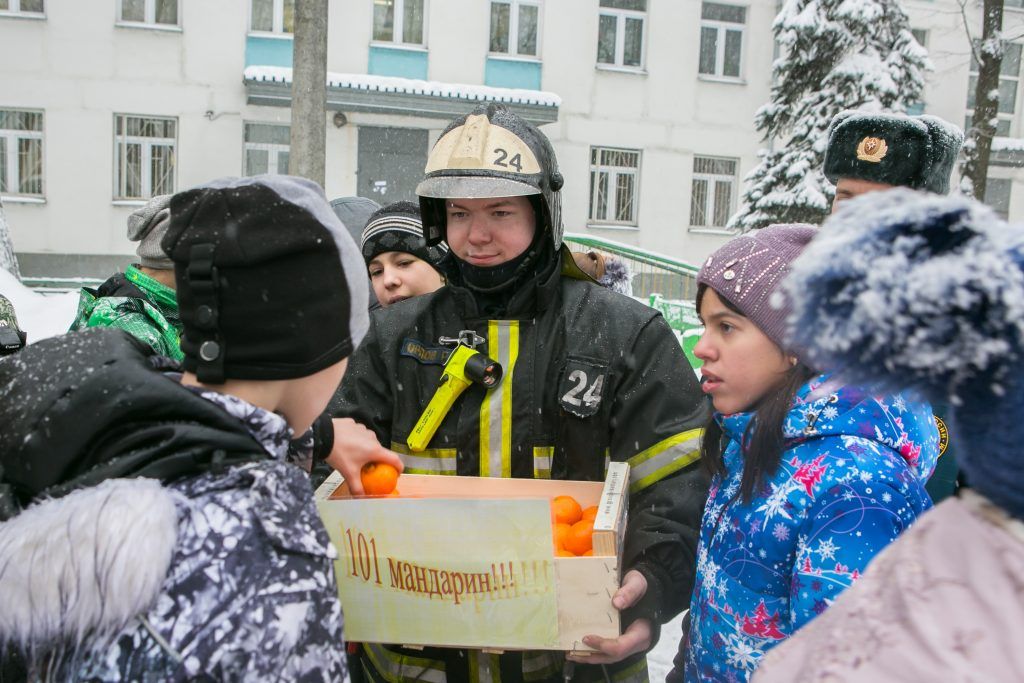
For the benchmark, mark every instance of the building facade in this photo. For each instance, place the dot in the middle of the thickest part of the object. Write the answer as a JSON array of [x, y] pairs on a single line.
[[649, 104]]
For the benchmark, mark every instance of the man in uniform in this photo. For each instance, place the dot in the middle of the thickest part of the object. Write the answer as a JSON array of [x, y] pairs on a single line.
[[589, 376], [874, 152]]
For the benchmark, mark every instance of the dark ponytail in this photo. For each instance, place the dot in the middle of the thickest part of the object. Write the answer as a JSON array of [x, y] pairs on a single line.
[[763, 442]]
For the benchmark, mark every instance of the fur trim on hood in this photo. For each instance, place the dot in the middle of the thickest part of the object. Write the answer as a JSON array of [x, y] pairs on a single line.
[[617, 276], [79, 568]]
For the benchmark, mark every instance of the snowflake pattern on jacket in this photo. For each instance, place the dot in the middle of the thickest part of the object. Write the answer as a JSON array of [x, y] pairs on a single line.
[[251, 595], [851, 479]]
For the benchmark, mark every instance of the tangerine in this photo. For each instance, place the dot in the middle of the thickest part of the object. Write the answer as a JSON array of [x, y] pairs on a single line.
[[589, 553], [580, 538], [559, 530], [590, 513], [378, 478], [562, 552], [566, 509]]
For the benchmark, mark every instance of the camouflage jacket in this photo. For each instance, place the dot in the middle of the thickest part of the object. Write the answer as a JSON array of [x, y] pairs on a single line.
[[181, 544], [138, 304]]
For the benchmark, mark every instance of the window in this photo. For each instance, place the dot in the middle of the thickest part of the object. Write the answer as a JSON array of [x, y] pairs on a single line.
[[266, 148], [713, 194], [144, 150], [921, 36], [151, 12], [398, 21], [21, 7], [21, 152], [721, 39], [614, 185], [620, 33], [997, 195], [1009, 75], [514, 26], [273, 16]]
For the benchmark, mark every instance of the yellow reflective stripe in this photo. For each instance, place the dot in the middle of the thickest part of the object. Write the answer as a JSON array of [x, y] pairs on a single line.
[[399, 668], [663, 458], [542, 665], [634, 673], [430, 461], [496, 408], [485, 405], [484, 667], [542, 457], [506, 400]]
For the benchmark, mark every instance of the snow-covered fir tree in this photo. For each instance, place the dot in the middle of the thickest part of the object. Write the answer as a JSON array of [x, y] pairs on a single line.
[[835, 55], [7, 259]]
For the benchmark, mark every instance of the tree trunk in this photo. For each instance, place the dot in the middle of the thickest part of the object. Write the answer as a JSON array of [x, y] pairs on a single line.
[[986, 99], [8, 261], [309, 91]]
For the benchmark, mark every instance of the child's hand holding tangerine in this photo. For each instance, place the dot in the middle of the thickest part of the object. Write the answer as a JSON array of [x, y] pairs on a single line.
[[379, 479]]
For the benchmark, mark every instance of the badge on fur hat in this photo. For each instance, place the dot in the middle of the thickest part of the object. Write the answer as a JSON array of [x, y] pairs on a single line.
[[872, 149]]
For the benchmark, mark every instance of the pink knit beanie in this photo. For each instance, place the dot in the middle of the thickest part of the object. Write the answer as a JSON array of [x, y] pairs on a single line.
[[747, 272]]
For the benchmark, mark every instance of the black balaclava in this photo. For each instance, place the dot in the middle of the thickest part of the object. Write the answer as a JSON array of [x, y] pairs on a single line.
[[494, 286]]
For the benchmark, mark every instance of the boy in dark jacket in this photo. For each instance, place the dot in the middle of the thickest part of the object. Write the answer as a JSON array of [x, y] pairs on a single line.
[[155, 529]]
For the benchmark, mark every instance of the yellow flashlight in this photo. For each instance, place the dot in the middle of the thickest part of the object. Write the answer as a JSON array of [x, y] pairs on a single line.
[[464, 366]]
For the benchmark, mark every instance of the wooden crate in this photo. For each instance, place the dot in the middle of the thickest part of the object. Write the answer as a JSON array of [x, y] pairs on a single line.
[[469, 562]]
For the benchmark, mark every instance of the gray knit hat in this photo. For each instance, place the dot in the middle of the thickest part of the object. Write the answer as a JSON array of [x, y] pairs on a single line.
[[147, 226], [747, 272]]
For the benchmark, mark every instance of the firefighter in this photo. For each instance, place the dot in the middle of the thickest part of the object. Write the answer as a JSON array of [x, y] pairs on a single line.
[[590, 376]]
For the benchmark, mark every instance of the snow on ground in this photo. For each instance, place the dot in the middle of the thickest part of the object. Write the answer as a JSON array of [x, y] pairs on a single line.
[[659, 660], [39, 315]]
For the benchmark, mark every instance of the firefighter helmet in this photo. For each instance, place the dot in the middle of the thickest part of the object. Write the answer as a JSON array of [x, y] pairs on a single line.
[[490, 152]]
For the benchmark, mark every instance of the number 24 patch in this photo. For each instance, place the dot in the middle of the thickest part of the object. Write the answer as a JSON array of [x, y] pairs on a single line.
[[582, 384]]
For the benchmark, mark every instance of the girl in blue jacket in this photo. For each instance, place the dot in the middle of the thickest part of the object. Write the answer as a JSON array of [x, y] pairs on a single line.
[[811, 477]]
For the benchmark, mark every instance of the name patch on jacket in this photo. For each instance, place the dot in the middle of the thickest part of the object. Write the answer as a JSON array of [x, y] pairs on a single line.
[[428, 355], [581, 388]]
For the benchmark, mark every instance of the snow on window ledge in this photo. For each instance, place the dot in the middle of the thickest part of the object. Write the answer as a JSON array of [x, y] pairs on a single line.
[[1001, 144], [721, 79], [637, 70], [408, 47], [612, 226], [21, 199], [170, 28], [269, 34], [705, 230], [129, 202], [22, 15], [505, 57]]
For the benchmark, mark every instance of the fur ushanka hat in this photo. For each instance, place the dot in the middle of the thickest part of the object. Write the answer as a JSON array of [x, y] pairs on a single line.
[[906, 151], [912, 291]]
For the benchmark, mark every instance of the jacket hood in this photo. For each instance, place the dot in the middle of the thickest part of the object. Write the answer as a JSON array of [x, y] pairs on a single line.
[[95, 405], [825, 407]]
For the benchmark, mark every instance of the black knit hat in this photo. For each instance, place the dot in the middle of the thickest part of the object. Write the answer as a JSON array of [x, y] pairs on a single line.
[[397, 227], [908, 151], [266, 279]]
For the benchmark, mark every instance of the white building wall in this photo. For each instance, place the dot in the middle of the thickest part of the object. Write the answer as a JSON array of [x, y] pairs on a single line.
[[81, 68]]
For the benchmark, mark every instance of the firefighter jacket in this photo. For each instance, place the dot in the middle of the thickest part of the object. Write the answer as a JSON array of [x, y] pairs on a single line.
[[589, 375]]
